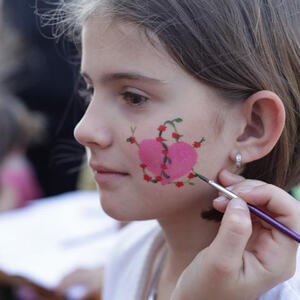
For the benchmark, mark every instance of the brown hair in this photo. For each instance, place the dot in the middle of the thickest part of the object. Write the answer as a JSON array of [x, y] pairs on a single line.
[[18, 126], [238, 46]]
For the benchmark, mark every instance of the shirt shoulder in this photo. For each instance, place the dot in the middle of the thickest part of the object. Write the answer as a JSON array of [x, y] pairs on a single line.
[[126, 265], [289, 289]]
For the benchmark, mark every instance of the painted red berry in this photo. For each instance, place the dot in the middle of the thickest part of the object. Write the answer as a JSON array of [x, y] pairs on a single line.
[[175, 135], [162, 128], [132, 140], [165, 152], [147, 177], [163, 166], [191, 175], [158, 178], [179, 184], [197, 144], [160, 139], [143, 166]]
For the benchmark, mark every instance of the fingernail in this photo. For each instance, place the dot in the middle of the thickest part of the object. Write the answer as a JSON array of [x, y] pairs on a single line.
[[237, 203], [221, 199]]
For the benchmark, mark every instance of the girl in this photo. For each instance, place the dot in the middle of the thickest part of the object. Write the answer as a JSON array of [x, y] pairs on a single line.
[[165, 75], [19, 127]]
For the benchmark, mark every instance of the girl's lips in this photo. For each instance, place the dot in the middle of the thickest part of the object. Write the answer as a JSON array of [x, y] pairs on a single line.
[[107, 177], [104, 174], [103, 169]]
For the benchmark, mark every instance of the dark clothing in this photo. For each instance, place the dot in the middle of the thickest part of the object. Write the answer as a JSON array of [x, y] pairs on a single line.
[[46, 83]]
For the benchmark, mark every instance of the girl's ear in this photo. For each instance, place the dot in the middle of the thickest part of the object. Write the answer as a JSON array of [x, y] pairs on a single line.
[[264, 119]]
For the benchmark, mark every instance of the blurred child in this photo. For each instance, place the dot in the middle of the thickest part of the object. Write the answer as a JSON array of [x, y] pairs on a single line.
[[18, 129]]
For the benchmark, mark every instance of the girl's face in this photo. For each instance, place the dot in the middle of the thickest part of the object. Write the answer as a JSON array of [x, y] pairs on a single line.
[[137, 85]]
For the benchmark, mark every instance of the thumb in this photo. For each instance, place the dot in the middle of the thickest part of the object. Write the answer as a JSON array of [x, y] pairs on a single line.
[[228, 247]]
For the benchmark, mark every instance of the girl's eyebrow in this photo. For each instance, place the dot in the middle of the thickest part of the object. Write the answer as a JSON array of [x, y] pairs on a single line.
[[123, 75]]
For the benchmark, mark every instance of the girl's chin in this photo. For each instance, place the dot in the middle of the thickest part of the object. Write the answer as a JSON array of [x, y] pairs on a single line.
[[114, 210], [115, 207], [148, 201]]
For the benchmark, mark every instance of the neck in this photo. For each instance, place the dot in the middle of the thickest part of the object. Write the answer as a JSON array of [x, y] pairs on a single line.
[[186, 234]]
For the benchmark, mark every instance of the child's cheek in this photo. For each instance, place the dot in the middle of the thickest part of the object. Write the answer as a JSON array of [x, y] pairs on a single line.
[[166, 159]]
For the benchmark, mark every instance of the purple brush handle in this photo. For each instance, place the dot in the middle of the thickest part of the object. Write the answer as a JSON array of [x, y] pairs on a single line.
[[262, 215], [256, 211]]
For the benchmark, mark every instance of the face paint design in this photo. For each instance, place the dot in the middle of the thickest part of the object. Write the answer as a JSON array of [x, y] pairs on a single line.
[[167, 163]]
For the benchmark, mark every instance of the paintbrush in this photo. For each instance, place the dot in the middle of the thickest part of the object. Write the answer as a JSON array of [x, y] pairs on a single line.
[[256, 211]]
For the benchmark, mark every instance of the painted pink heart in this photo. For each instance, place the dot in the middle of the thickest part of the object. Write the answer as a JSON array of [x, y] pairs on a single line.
[[183, 157]]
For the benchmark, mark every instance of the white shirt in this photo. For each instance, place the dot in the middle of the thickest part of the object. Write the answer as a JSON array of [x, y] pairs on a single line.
[[127, 272]]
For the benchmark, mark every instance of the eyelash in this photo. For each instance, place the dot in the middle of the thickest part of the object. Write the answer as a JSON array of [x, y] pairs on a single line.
[[133, 96], [129, 97]]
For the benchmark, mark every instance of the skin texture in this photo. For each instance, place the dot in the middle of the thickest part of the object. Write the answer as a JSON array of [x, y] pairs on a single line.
[[235, 256]]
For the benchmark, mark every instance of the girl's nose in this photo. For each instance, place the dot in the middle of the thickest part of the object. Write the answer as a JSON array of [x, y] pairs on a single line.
[[91, 131]]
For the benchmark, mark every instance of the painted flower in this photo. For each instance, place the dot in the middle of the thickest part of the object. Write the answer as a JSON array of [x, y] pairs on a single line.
[[162, 128], [158, 178], [165, 152], [147, 177], [175, 135], [179, 184], [197, 144], [163, 166], [143, 166], [191, 175], [132, 140], [160, 139]]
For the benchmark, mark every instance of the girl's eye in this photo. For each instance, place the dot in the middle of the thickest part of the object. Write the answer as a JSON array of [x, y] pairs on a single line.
[[134, 99]]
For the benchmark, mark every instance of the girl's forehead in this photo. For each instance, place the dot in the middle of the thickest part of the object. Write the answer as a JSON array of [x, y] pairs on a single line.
[[112, 33], [111, 43]]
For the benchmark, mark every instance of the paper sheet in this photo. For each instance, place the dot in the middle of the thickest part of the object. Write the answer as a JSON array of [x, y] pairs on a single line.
[[52, 237]]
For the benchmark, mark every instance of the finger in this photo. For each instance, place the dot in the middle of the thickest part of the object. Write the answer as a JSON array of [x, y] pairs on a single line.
[[220, 203], [234, 233], [227, 178], [276, 201]]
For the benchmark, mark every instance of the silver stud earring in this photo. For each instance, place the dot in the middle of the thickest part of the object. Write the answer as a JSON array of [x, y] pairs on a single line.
[[238, 160]]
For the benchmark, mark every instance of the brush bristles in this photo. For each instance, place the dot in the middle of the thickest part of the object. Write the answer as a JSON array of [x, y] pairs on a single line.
[[202, 177]]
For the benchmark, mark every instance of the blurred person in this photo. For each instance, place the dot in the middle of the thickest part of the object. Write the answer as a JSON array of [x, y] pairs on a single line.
[[38, 70], [18, 127], [11, 50]]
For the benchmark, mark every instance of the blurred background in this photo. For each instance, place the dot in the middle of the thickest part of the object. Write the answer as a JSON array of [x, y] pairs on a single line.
[[43, 74], [54, 237]]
